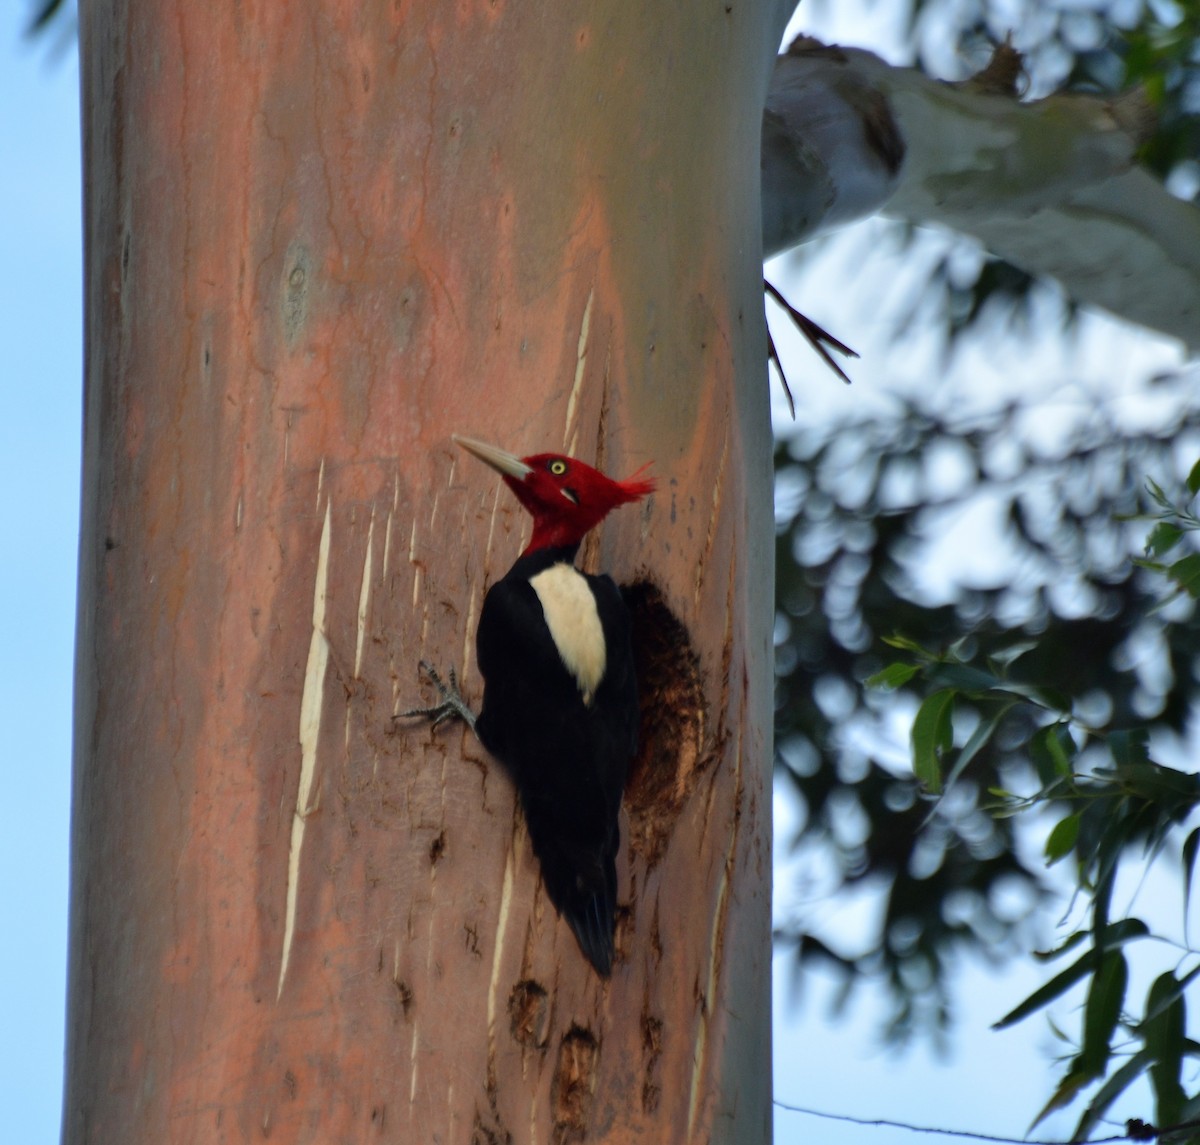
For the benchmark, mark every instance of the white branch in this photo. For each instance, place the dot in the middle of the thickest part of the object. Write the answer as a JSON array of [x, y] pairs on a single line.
[[1048, 185]]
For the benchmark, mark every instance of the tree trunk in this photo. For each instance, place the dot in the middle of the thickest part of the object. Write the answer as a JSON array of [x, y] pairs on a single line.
[[320, 238]]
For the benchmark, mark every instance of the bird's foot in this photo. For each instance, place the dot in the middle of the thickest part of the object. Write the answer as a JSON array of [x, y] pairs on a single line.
[[452, 706]]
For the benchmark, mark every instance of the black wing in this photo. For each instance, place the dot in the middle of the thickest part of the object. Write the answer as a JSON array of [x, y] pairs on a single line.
[[569, 759]]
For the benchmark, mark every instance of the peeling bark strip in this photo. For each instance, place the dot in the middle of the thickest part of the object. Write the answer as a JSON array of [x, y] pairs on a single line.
[[311, 703], [570, 437], [364, 596], [292, 303], [506, 896]]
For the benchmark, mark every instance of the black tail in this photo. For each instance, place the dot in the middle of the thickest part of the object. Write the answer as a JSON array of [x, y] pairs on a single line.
[[583, 890]]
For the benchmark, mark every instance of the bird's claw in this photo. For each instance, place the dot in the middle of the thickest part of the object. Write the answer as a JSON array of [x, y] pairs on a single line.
[[452, 706]]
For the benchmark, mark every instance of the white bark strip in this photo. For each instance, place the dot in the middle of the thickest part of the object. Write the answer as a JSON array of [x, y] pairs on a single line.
[[364, 597], [580, 362], [310, 729], [498, 949]]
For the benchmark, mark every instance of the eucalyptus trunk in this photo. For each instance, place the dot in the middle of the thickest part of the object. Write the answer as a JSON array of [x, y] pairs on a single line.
[[322, 236]]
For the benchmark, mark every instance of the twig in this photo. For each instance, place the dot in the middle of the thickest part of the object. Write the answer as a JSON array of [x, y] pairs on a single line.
[[818, 337]]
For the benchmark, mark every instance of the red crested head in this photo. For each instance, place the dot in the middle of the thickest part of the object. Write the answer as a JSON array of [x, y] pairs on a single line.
[[565, 497]]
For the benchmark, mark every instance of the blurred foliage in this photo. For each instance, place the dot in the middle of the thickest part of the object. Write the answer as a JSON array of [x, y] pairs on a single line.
[[1094, 46], [1052, 679], [46, 12], [857, 508], [1165, 61], [1115, 805]]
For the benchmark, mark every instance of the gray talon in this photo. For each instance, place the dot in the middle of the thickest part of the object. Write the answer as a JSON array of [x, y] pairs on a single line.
[[451, 706]]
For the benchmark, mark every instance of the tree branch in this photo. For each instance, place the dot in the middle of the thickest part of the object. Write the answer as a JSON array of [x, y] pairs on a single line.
[[1050, 185]]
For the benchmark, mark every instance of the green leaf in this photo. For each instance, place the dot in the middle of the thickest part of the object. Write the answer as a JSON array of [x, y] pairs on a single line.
[[1193, 480], [1129, 746], [1109, 1092], [1122, 931], [1109, 853], [1102, 1011], [904, 644], [1061, 840], [1066, 1092], [977, 741], [1116, 834], [933, 735], [1166, 997], [1164, 1035], [1005, 657], [1068, 943], [1163, 537], [964, 677], [1174, 791], [1190, 845], [1186, 574], [1045, 994], [893, 676], [1049, 698], [1058, 1032], [1127, 930], [1054, 747]]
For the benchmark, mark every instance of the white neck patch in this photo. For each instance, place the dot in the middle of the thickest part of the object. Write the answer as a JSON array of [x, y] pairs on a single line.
[[570, 611]]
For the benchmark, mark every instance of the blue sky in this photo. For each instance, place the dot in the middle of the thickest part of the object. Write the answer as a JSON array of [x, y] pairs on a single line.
[[993, 1083], [40, 371]]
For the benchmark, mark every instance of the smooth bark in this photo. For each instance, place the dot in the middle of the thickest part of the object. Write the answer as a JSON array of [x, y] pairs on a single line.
[[320, 238]]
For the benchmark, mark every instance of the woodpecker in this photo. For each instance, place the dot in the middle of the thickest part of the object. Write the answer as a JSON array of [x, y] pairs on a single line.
[[560, 706]]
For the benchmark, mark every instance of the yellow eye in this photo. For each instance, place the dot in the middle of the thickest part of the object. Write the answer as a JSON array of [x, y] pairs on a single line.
[[558, 468]]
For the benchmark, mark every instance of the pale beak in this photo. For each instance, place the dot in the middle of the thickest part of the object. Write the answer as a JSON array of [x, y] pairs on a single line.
[[498, 459]]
